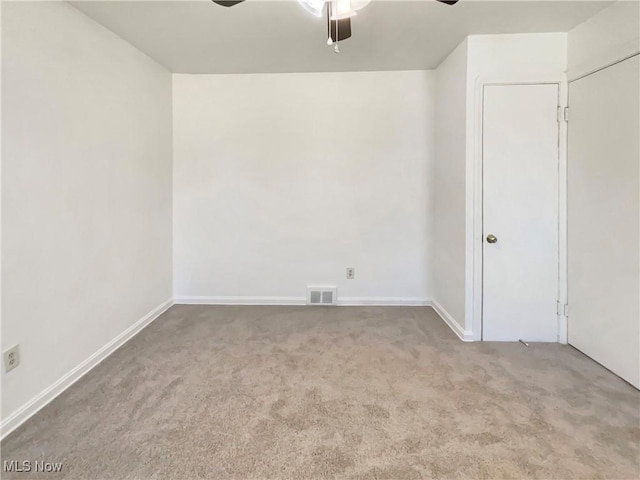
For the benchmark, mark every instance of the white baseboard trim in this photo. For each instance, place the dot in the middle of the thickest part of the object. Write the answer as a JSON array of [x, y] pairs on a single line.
[[240, 300], [346, 301], [384, 301], [30, 408], [464, 335]]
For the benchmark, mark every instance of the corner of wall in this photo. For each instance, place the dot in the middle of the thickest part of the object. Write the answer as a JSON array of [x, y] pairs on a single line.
[[610, 36]]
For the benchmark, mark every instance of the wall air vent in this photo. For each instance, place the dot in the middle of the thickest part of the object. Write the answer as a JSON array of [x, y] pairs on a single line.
[[322, 295]]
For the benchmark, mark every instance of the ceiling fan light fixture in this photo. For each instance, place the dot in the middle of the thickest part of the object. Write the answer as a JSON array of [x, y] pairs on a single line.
[[227, 3], [338, 12], [314, 7], [342, 9], [359, 4]]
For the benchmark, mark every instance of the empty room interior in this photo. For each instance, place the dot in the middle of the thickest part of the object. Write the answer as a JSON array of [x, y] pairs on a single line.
[[300, 239]]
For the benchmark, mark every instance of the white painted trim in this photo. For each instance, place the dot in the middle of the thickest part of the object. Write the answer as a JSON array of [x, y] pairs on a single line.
[[30, 408], [473, 258], [464, 335], [563, 185], [473, 244], [267, 300], [240, 300], [604, 59], [385, 301]]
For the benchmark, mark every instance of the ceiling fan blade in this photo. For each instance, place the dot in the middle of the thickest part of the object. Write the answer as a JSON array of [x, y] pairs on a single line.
[[227, 3], [448, 2], [338, 30]]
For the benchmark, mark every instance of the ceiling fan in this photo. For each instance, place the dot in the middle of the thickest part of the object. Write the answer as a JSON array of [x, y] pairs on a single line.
[[338, 12]]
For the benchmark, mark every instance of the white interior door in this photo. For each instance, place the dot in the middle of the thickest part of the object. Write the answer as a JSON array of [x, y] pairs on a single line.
[[520, 208], [604, 217]]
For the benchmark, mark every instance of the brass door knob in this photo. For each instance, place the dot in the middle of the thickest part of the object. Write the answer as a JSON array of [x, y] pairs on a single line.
[[491, 238]]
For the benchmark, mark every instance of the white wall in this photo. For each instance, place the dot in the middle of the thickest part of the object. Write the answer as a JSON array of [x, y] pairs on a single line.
[[284, 180], [609, 36], [513, 56], [86, 191], [448, 244]]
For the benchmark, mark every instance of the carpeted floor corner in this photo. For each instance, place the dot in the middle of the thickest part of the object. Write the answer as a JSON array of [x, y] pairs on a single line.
[[322, 392]]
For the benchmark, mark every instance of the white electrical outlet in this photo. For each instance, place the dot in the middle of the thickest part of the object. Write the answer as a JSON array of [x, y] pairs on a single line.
[[351, 273], [11, 358]]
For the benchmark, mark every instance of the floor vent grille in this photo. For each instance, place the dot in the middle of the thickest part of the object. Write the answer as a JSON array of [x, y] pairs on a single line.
[[322, 296]]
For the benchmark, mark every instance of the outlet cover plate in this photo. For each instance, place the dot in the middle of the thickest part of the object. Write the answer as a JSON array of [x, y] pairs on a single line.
[[11, 358]]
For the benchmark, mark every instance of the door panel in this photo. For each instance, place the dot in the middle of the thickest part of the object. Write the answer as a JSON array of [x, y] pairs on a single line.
[[604, 218], [520, 207]]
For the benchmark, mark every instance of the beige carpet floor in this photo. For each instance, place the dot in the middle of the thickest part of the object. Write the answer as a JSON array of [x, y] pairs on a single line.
[[320, 392]]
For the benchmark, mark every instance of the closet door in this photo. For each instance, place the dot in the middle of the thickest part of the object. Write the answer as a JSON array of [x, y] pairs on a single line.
[[604, 217], [520, 213]]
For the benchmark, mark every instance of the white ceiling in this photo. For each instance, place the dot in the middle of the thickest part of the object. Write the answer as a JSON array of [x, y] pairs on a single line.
[[280, 36]]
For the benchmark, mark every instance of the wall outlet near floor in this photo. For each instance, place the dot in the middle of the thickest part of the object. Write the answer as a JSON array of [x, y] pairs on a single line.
[[351, 273], [11, 358]]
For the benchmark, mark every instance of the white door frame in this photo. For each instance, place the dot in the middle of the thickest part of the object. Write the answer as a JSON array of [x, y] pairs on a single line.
[[473, 254]]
